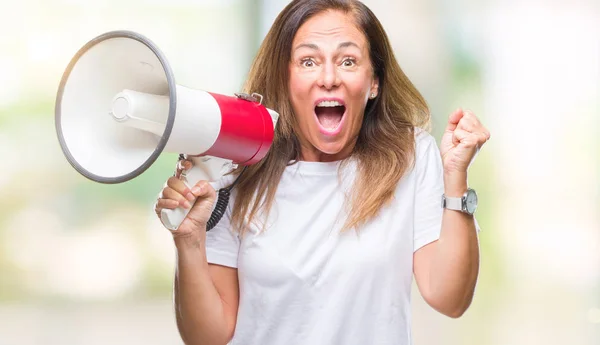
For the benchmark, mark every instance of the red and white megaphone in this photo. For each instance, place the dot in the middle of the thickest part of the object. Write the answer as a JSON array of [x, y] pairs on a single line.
[[118, 108]]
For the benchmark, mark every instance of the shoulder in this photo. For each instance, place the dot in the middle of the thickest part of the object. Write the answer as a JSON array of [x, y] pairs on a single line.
[[425, 143]]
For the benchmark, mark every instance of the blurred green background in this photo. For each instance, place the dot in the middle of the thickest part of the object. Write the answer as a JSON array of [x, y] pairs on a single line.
[[85, 263]]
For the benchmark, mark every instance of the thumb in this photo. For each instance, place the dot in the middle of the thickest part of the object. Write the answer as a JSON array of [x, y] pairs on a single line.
[[453, 119], [202, 208]]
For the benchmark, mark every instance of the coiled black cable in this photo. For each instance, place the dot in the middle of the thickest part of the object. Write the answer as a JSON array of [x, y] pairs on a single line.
[[222, 202], [219, 211]]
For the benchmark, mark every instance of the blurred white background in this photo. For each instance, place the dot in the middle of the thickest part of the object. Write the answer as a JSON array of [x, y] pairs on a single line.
[[83, 263]]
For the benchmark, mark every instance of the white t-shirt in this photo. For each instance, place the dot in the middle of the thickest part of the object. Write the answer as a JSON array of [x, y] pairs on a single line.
[[304, 283]]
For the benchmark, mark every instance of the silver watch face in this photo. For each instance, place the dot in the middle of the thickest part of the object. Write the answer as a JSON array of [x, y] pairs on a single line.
[[471, 201]]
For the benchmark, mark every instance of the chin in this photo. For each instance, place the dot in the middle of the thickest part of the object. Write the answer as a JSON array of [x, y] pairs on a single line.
[[333, 147]]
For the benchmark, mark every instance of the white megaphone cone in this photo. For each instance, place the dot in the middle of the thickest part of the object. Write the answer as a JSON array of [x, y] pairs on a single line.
[[118, 108]]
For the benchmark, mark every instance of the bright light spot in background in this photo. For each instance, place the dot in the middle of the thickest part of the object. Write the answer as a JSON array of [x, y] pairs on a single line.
[[162, 3], [43, 47], [16, 142], [32, 62], [32, 239], [541, 79], [8, 164], [10, 81], [102, 261], [160, 239], [542, 87], [594, 315], [573, 258]]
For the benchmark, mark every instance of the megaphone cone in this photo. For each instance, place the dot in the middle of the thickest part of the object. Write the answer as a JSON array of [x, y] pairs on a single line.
[[118, 108]]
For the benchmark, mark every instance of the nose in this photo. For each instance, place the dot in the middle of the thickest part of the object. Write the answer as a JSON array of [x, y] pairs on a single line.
[[329, 77]]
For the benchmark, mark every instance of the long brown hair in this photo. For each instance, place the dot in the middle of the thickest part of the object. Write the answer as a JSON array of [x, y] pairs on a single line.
[[385, 146]]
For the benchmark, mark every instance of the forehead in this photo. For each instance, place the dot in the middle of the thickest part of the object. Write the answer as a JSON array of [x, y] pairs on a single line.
[[330, 25]]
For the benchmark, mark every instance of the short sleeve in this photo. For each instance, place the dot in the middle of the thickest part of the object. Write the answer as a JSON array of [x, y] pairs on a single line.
[[222, 243], [429, 179]]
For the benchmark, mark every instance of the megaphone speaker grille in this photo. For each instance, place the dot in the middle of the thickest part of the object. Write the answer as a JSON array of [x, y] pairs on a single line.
[[91, 137]]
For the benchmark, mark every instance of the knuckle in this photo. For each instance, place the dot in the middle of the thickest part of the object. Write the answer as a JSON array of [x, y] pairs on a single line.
[[167, 193], [172, 181], [204, 185], [464, 123]]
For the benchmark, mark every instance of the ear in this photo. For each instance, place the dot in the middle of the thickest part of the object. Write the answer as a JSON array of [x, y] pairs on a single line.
[[374, 88]]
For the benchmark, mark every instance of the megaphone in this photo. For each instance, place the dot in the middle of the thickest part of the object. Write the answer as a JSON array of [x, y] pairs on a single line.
[[118, 108]]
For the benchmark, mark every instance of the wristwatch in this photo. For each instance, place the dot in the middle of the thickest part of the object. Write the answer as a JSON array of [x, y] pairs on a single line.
[[467, 203]]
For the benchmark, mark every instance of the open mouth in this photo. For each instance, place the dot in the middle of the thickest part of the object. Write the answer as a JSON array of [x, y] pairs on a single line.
[[330, 114]]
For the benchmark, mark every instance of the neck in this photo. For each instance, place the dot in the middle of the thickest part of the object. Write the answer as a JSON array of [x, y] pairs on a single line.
[[310, 153]]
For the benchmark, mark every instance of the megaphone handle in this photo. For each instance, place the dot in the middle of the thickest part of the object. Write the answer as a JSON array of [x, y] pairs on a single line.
[[172, 218], [209, 169]]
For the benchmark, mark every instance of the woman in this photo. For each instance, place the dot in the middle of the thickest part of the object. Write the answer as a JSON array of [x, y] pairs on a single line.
[[321, 238]]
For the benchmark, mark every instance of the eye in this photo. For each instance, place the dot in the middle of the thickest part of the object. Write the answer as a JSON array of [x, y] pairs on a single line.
[[348, 62], [308, 62]]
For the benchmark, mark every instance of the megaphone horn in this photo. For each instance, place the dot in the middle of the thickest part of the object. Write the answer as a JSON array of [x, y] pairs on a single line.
[[118, 108]]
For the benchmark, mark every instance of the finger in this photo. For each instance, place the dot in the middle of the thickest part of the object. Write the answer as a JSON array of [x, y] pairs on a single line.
[[453, 119], [165, 203], [200, 212], [186, 164], [180, 187], [469, 113], [183, 164], [203, 189], [482, 138], [180, 166], [481, 135], [459, 135], [171, 194], [466, 125], [471, 123], [487, 134], [471, 140], [178, 172]]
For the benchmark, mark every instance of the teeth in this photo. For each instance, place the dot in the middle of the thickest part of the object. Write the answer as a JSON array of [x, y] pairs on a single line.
[[329, 104]]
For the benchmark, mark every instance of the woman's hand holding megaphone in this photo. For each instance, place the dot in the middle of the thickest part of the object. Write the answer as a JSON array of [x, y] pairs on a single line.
[[177, 194]]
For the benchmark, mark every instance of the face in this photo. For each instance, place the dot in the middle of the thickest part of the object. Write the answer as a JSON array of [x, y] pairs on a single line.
[[331, 80]]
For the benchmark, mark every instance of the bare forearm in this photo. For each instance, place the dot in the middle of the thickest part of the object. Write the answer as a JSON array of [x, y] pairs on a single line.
[[198, 306], [455, 267]]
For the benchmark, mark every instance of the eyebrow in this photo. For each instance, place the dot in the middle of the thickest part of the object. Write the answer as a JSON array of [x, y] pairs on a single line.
[[315, 47]]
